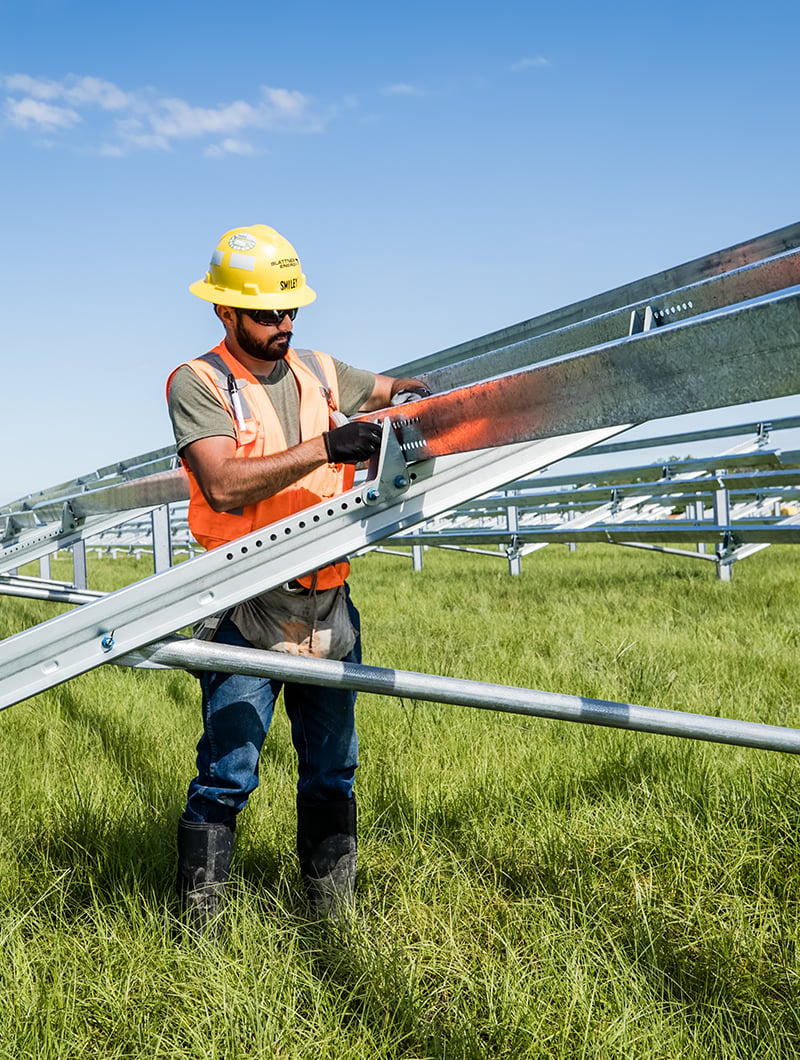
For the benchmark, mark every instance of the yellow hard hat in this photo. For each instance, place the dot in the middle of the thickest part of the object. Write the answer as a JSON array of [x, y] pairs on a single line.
[[254, 268]]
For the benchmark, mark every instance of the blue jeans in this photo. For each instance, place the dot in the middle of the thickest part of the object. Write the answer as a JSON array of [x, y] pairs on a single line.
[[237, 712]]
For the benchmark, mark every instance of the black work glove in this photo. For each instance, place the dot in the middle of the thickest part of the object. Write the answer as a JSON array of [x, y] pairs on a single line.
[[352, 443], [410, 393]]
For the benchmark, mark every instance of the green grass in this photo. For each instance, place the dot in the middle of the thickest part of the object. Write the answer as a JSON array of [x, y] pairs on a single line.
[[527, 888]]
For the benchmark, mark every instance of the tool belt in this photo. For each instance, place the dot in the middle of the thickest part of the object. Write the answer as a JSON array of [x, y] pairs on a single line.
[[298, 621]]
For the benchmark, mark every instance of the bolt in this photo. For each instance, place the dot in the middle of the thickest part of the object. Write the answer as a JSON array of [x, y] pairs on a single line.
[[373, 495], [107, 643], [401, 482]]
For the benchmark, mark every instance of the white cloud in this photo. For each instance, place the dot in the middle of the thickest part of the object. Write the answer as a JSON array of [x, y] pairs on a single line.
[[27, 113], [143, 120], [104, 94], [402, 89], [529, 63], [278, 108], [75, 90], [135, 133], [229, 147]]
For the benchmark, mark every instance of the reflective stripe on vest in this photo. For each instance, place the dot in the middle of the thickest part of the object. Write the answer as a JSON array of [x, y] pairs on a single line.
[[261, 434]]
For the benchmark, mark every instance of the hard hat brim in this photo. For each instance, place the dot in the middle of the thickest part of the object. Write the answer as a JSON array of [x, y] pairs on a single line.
[[225, 296]]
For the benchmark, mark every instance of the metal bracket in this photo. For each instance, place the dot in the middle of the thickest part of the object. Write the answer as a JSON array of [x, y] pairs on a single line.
[[642, 319], [69, 520], [388, 475], [514, 547], [727, 547]]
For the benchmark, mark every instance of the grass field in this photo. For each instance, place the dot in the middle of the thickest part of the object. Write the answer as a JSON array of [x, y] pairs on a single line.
[[527, 888]]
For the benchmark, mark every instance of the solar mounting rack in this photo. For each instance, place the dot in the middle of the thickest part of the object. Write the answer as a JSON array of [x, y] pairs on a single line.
[[719, 331]]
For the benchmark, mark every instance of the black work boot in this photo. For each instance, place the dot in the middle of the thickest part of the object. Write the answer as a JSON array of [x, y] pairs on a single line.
[[326, 847], [204, 860]]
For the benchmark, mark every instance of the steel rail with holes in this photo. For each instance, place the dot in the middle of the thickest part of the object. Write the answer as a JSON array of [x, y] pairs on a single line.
[[396, 498]]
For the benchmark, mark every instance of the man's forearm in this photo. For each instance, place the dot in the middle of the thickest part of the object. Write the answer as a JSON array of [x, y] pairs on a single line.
[[233, 483]]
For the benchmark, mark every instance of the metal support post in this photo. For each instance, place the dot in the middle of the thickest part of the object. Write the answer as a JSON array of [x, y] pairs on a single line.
[[699, 516], [80, 571], [513, 553], [162, 539], [722, 517], [572, 546], [722, 507], [416, 555]]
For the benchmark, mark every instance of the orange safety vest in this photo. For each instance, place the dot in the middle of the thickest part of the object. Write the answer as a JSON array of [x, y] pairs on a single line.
[[262, 435]]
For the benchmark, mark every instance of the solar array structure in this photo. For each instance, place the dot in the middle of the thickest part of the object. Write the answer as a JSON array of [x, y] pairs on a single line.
[[733, 502], [726, 507], [715, 332]]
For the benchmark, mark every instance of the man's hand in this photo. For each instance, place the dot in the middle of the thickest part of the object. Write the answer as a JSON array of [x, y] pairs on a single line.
[[353, 442], [390, 391], [410, 393]]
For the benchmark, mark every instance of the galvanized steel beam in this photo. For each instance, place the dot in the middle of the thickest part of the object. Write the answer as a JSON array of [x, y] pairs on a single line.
[[745, 353], [99, 632]]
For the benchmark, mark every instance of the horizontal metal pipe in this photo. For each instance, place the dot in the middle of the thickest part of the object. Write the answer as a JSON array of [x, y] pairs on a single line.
[[49, 592], [684, 552], [188, 654]]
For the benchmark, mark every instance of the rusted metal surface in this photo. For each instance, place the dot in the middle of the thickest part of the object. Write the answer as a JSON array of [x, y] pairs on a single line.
[[747, 353]]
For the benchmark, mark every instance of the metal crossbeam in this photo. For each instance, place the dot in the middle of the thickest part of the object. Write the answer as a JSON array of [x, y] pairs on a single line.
[[122, 471], [397, 498], [784, 423], [677, 307], [41, 541], [744, 353], [56, 592], [777, 532]]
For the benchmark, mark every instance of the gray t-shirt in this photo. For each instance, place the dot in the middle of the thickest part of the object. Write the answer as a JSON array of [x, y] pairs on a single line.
[[196, 413]]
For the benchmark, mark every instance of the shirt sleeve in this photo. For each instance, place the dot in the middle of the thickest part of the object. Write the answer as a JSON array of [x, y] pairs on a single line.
[[355, 386], [194, 411]]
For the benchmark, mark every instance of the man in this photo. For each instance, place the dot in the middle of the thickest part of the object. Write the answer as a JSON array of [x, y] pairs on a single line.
[[261, 429]]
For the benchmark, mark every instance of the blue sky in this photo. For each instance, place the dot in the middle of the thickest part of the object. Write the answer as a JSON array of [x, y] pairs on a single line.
[[443, 169]]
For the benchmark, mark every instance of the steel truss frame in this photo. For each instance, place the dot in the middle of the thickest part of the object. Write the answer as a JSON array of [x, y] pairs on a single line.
[[749, 352]]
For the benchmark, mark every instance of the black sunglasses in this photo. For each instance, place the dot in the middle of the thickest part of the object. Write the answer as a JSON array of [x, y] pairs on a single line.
[[269, 316]]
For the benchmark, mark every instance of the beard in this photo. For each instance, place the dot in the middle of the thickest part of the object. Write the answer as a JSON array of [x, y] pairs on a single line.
[[272, 348]]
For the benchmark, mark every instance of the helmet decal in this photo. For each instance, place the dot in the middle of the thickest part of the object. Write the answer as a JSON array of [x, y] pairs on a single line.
[[243, 261], [242, 241]]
